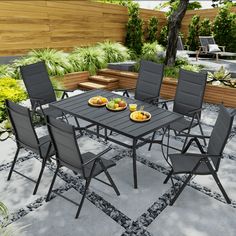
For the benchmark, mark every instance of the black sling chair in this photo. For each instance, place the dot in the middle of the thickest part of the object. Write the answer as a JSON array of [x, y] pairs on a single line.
[[188, 102], [68, 154], [41, 91], [26, 137], [206, 163]]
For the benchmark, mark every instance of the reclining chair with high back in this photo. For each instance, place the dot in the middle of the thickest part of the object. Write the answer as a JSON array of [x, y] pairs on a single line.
[[27, 138], [68, 154], [149, 82], [41, 91], [206, 163], [208, 46], [188, 102]]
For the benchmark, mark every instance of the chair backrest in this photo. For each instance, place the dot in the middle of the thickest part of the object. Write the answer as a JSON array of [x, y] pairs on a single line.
[[189, 92], [220, 134], [180, 45], [149, 80], [206, 40], [22, 125], [37, 82], [65, 143]]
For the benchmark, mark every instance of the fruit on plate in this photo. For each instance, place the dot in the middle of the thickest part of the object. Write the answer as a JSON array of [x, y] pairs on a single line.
[[98, 100], [140, 115], [116, 104]]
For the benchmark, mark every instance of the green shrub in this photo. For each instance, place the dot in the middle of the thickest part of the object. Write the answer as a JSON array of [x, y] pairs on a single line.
[[193, 33], [205, 27], [152, 29], [88, 59], [6, 71], [194, 68], [113, 51], [134, 35], [56, 61], [150, 50], [10, 89], [224, 27], [171, 71], [163, 37]]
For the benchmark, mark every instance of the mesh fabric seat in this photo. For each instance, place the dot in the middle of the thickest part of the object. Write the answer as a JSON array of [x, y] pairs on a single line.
[[188, 102], [206, 163], [26, 137], [149, 81], [68, 154]]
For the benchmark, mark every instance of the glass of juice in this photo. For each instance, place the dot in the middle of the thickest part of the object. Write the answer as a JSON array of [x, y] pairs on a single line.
[[132, 107]]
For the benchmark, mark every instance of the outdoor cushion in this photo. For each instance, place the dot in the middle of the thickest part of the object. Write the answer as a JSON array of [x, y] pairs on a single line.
[[213, 48]]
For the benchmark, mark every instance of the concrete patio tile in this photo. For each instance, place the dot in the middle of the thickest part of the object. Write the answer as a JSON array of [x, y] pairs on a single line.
[[226, 175], [57, 217], [132, 202], [230, 147], [195, 214], [17, 192]]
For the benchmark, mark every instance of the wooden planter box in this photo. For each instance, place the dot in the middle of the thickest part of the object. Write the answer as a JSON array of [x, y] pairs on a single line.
[[213, 94], [71, 80]]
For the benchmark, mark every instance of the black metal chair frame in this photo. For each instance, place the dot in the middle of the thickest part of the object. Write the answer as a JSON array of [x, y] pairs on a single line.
[[21, 145], [96, 161], [194, 116], [206, 158]]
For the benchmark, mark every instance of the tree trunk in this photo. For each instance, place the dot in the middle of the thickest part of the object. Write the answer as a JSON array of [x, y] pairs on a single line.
[[174, 24]]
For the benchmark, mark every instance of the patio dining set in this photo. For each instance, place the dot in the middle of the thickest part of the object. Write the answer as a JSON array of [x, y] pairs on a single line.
[[62, 144]]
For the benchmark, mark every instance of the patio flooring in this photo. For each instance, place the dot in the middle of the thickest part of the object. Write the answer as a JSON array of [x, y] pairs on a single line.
[[199, 211]]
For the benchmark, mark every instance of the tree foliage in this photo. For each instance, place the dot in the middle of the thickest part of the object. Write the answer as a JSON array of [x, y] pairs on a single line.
[[152, 29], [134, 36]]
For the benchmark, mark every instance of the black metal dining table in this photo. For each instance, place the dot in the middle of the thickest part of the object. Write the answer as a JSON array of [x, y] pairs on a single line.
[[118, 122]]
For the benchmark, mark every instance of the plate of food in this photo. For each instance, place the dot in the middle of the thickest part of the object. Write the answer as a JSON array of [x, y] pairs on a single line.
[[140, 116], [98, 101], [116, 104]]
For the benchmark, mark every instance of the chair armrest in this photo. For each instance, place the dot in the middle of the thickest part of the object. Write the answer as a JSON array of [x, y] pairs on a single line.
[[124, 89], [98, 156], [203, 49], [194, 136], [64, 90], [151, 99], [166, 101], [195, 111], [37, 99]]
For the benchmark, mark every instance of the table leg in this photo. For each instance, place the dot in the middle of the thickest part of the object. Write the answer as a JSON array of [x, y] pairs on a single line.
[[97, 131], [134, 164]]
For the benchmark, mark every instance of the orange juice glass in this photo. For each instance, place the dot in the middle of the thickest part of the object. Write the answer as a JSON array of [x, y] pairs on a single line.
[[132, 107]]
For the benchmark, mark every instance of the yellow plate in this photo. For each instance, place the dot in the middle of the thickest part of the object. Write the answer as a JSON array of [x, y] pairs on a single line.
[[95, 104], [134, 114], [117, 109]]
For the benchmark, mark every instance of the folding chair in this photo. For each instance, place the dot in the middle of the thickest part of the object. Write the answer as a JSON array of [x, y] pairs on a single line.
[[26, 137], [188, 102], [206, 163], [68, 154]]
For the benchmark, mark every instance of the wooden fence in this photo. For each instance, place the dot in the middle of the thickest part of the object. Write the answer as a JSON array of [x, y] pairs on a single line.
[[25, 25]]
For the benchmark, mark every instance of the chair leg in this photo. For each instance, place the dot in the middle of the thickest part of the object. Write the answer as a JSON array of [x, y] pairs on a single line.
[[201, 130], [168, 177], [53, 181], [13, 164], [180, 190], [40, 176], [78, 125], [213, 173], [153, 136], [88, 180], [109, 178]]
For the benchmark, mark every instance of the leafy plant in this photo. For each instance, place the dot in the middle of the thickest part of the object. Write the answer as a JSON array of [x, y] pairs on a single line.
[[194, 68], [220, 77], [88, 59], [113, 51], [150, 50], [56, 61], [224, 27], [134, 35], [6, 71], [171, 71], [163, 36], [193, 33], [205, 27], [152, 29], [181, 59], [10, 89]]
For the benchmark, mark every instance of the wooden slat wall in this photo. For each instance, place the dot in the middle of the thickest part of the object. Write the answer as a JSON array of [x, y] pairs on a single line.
[[61, 24]]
